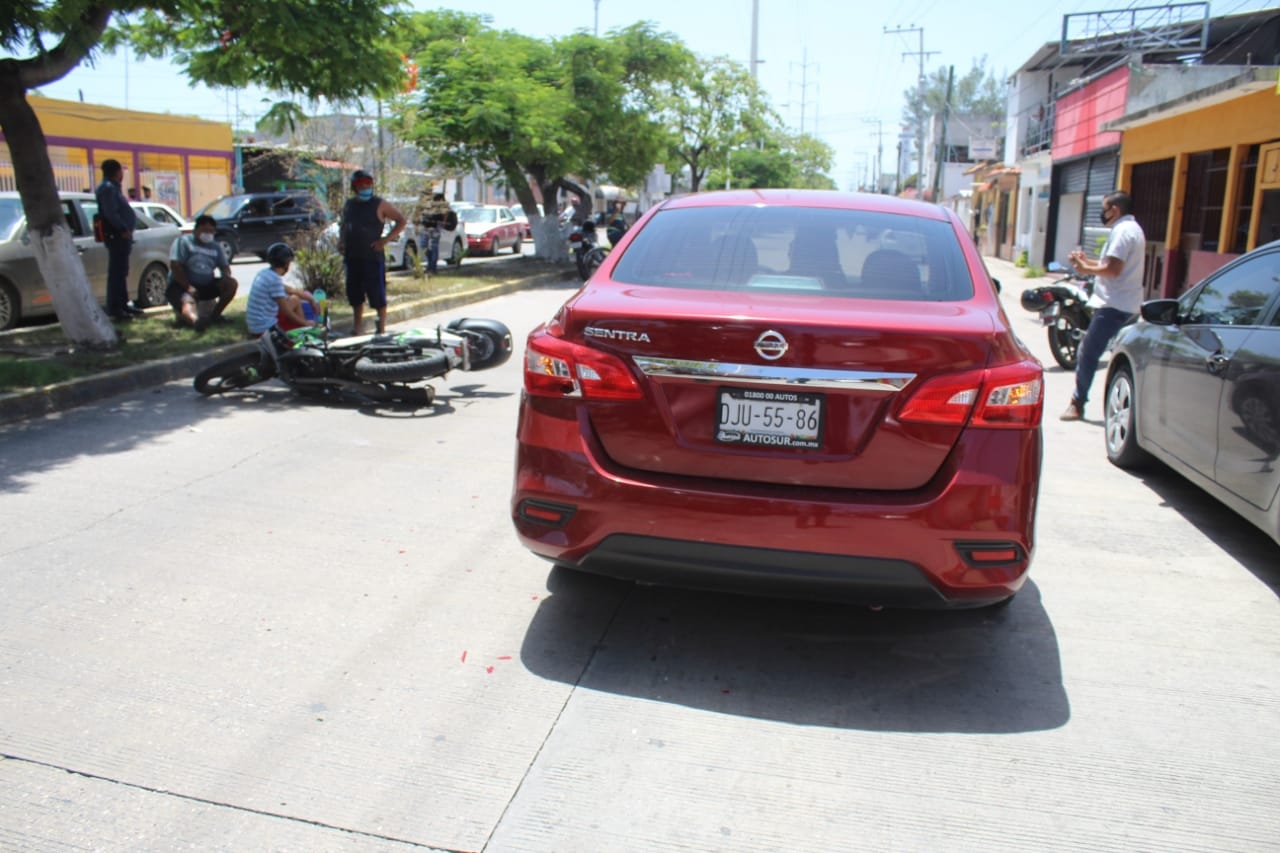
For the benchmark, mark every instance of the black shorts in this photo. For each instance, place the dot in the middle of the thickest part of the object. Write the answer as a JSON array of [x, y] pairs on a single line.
[[174, 293], [367, 281]]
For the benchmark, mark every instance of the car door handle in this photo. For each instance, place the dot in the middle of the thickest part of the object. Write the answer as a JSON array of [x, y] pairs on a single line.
[[1217, 363]]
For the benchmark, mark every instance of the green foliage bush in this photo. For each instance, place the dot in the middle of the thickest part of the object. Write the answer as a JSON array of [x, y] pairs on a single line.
[[318, 263]]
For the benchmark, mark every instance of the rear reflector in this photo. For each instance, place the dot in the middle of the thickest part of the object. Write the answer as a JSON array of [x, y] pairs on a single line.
[[545, 512], [989, 555]]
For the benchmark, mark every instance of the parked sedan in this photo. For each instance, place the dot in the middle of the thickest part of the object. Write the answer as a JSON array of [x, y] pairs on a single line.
[[517, 210], [1197, 386], [163, 214], [23, 293], [771, 392], [489, 228]]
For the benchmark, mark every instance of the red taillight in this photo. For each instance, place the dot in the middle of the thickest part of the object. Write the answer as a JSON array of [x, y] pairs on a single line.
[[1006, 397], [554, 367], [575, 237]]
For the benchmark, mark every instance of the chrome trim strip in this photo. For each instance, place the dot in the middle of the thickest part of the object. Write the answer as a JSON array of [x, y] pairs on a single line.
[[769, 374]]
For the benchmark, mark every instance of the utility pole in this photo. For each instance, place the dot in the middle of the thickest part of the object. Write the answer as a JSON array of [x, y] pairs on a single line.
[[897, 180], [879, 150], [942, 142], [920, 54], [597, 30], [804, 86], [755, 37]]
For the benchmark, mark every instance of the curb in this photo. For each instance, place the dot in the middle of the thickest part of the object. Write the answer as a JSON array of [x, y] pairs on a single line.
[[23, 405]]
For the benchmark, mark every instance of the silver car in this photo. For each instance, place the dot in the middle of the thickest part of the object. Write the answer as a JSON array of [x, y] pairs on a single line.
[[23, 293], [403, 253], [1196, 385]]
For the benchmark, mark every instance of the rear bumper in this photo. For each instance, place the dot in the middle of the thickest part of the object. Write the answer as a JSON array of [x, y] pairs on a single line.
[[966, 539]]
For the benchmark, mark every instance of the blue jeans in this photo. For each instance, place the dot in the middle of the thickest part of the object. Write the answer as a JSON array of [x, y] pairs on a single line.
[[1102, 328], [117, 274], [433, 255]]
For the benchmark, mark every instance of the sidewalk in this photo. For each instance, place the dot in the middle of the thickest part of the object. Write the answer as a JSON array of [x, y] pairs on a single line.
[[1013, 278], [32, 403]]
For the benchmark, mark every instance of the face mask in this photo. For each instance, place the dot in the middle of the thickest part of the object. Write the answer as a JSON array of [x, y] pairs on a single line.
[[1103, 217], [205, 238], [364, 195]]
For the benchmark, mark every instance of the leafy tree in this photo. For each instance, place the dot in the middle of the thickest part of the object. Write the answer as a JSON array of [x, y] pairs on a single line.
[[781, 159], [334, 49], [977, 92], [712, 111], [551, 114]]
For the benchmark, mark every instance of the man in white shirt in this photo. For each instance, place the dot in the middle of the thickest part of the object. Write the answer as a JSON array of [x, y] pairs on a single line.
[[1117, 282]]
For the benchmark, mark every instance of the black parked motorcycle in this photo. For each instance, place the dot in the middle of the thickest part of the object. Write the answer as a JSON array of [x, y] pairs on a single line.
[[1065, 312], [588, 254], [381, 368]]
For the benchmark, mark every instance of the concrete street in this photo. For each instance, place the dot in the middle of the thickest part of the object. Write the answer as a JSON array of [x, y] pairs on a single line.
[[258, 623]]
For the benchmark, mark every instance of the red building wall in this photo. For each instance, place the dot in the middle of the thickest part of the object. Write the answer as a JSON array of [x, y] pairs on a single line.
[[1080, 115]]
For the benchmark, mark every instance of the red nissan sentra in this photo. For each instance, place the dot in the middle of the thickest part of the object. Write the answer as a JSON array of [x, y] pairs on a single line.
[[793, 393]]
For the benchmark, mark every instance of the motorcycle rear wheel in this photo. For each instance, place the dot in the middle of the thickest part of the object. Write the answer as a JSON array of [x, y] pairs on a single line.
[[231, 374], [593, 259], [427, 367], [1064, 345]]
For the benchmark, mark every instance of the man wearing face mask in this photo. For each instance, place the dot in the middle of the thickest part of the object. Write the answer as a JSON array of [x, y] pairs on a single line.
[[193, 260], [360, 242], [1118, 283]]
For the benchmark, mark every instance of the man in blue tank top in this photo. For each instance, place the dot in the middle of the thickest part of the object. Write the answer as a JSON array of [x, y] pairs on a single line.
[[360, 241]]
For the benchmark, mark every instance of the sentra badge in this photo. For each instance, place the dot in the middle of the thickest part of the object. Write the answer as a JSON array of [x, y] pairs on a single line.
[[616, 334]]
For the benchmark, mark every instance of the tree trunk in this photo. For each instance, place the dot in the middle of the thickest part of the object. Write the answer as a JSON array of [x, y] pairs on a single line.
[[548, 243], [83, 320], [548, 237]]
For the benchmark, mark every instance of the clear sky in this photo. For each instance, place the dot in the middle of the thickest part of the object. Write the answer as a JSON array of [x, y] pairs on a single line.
[[831, 67]]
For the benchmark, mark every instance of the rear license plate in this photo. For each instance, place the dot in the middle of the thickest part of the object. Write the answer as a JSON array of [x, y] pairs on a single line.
[[1050, 313], [770, 418]]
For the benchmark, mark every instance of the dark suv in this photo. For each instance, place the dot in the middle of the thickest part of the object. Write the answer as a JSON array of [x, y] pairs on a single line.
[[250, 222]]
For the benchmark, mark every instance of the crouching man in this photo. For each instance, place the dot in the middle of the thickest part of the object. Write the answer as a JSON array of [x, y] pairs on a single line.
[[192, 263], [271, 301]]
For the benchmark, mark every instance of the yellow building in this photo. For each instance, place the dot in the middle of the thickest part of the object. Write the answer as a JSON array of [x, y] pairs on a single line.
[[1204, 173], [184, 162]]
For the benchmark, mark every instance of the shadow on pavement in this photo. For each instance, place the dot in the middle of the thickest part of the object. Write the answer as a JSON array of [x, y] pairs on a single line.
[[1245, 543], [129, 422], [974, 671]]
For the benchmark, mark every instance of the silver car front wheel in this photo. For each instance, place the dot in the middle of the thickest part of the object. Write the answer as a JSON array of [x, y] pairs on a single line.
[[1121, 420]]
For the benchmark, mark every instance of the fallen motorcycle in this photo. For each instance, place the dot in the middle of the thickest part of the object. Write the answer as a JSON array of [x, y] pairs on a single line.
[[379, 368], [1065, 312]]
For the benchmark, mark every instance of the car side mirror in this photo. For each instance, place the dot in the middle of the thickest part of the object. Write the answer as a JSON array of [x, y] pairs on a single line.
[[996, 282], [1161, 312]]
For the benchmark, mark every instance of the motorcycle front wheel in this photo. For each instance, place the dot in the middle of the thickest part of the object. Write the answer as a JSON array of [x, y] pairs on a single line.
[[1064, 345], [238, 372]]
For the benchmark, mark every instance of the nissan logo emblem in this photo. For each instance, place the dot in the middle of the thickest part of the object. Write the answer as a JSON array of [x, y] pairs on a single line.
[[771, 345]]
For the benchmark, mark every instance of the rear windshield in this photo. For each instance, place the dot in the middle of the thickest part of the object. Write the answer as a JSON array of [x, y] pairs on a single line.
[[804, 250]]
